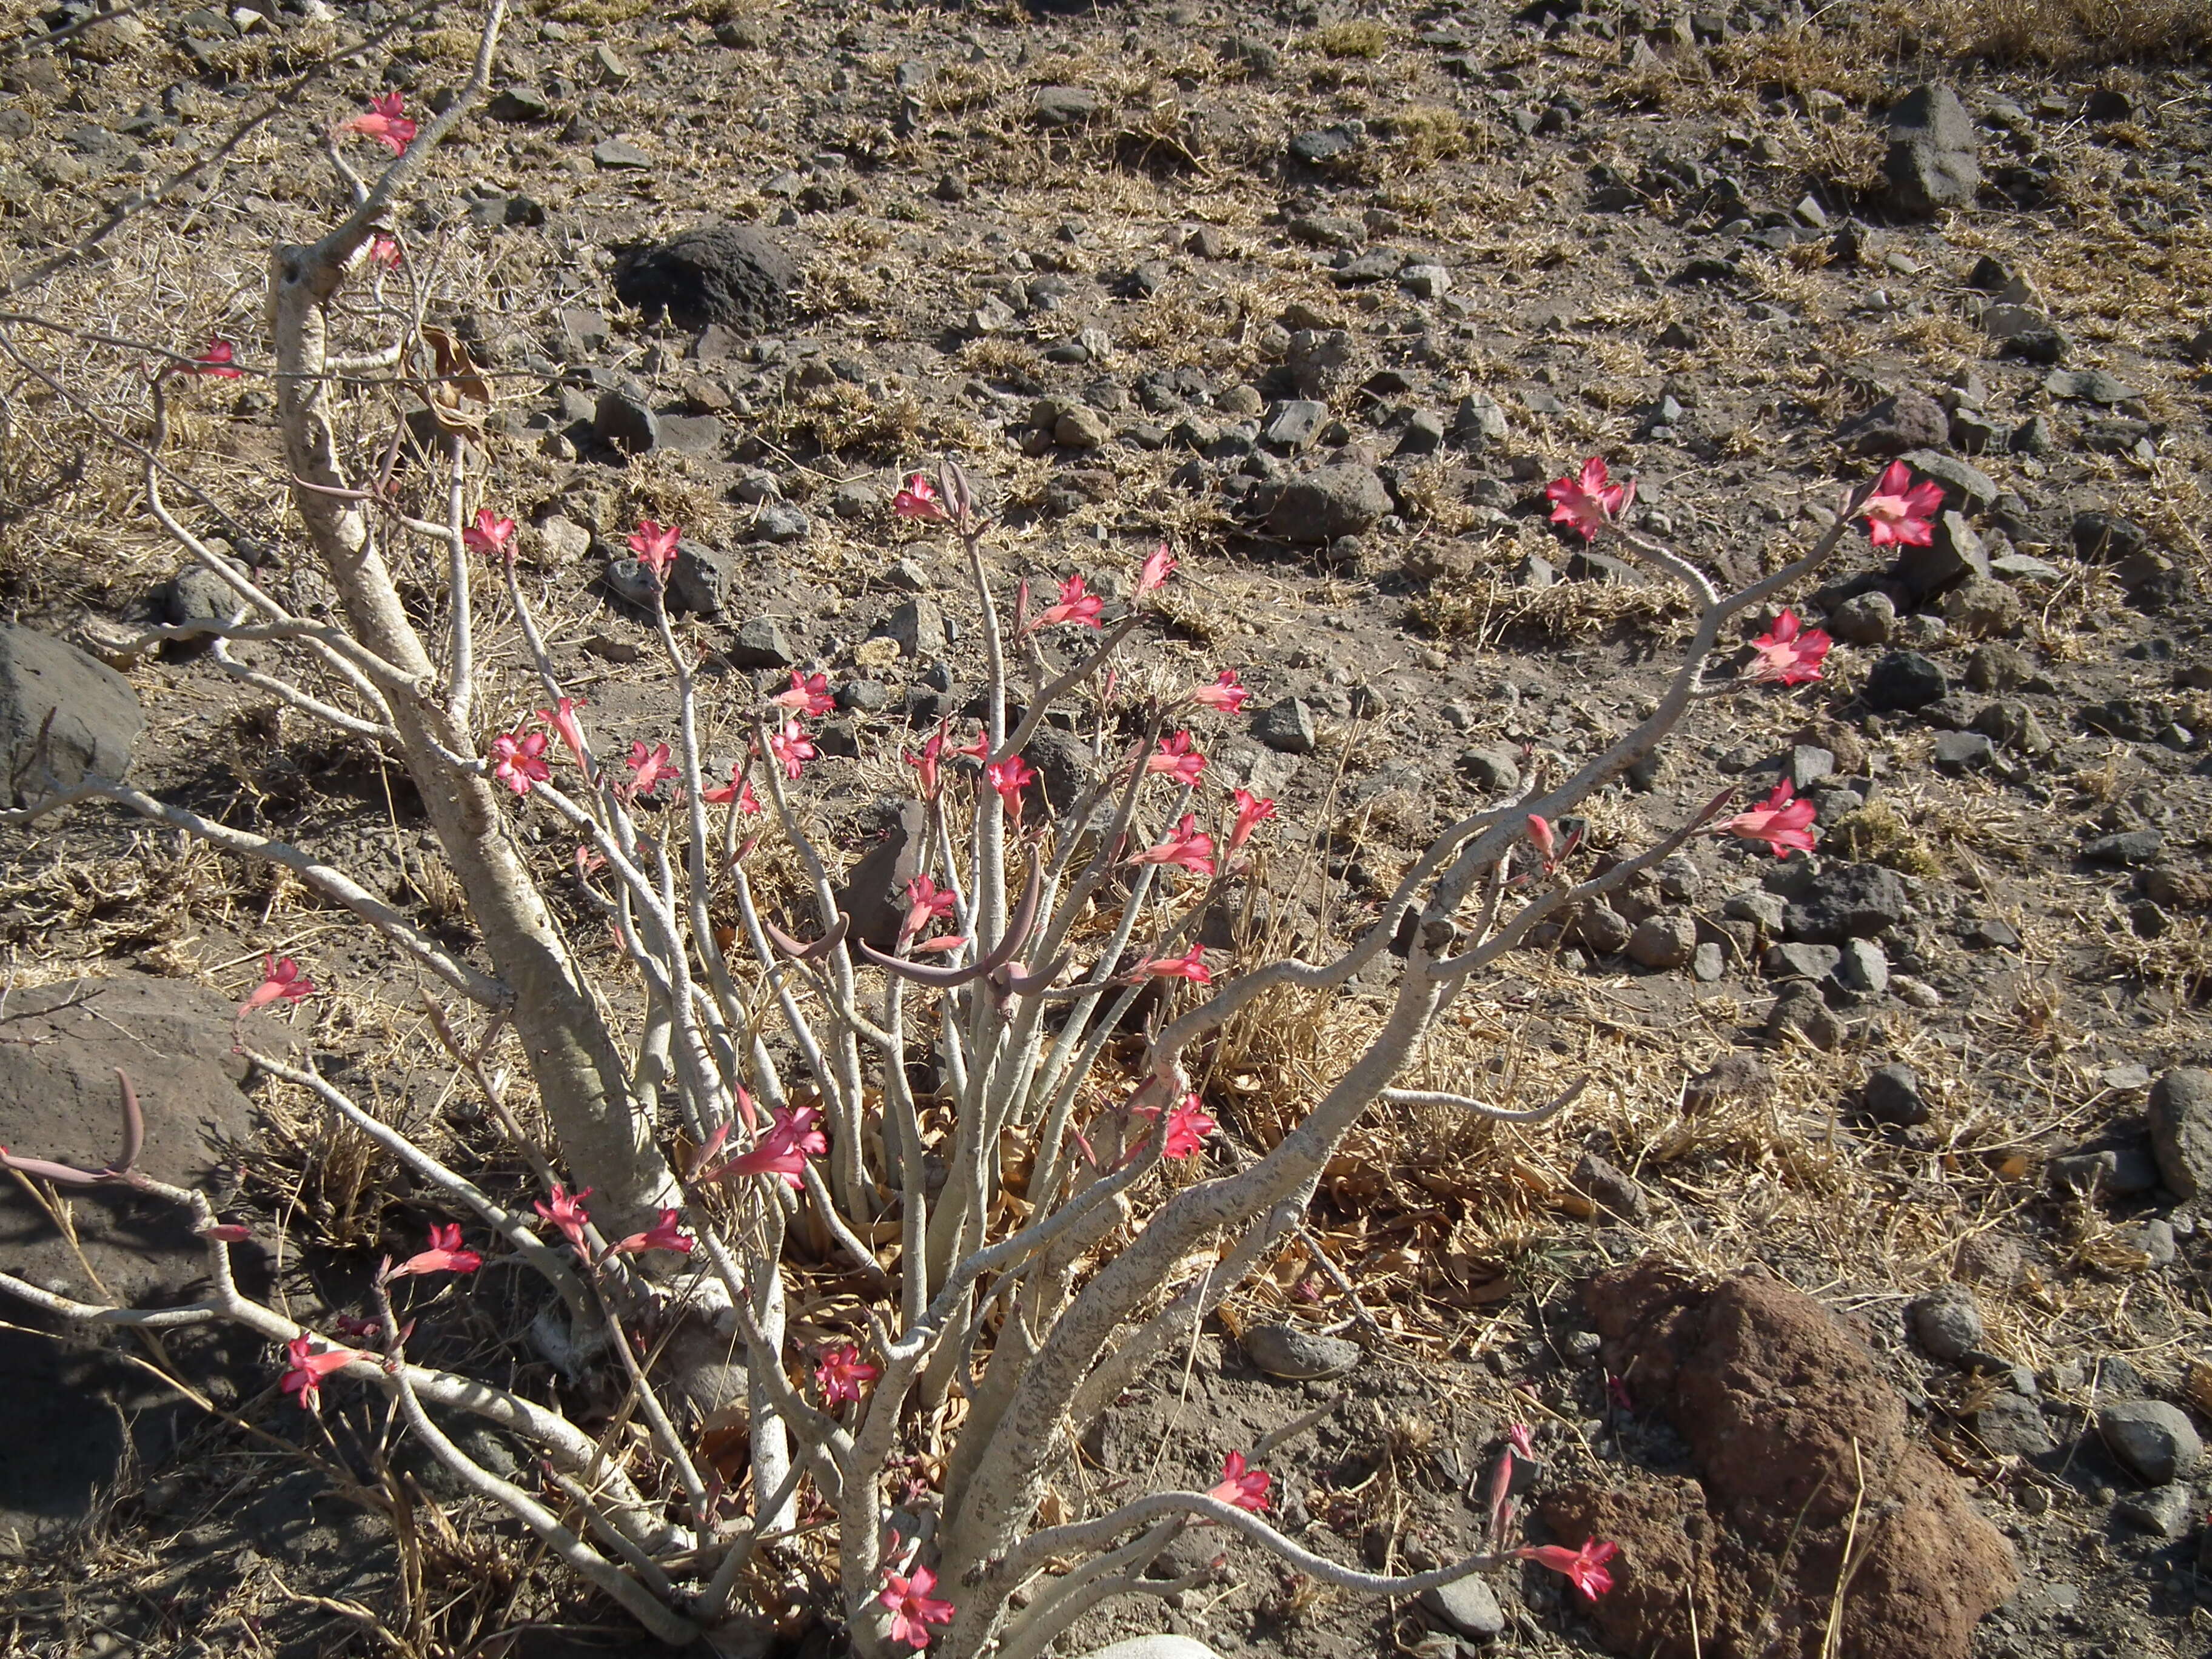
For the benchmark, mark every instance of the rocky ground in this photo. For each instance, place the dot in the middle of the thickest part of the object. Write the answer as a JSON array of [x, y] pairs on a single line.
[[1324, 295]]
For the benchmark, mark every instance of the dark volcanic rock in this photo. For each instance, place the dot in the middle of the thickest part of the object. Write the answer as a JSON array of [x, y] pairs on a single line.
[[1933, 158], [94, 713], [727, 274]]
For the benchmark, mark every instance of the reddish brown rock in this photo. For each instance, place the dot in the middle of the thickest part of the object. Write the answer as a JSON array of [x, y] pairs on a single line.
[[1791, 1428]]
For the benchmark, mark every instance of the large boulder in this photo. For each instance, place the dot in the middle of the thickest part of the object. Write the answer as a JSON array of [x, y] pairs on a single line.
[[727, 274], [95, 715], [1339, 500], [1792, 1430], [1935, 157], [58, 1101]]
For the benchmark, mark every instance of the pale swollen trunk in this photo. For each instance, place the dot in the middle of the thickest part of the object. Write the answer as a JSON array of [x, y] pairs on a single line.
[[581, 1081]]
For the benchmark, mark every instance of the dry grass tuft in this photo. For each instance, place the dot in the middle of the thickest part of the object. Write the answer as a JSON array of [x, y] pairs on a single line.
[[2070, 33], [1356, 38]]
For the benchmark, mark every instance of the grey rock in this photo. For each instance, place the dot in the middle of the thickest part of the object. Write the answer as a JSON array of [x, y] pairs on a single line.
[[1708, 963], [699, 581], [1377, 265], [95, 717], [1065, 770], [1733, 1079], [2127, 847], [1953, 555], [564, 539], [919, 627], [1286, 726], [1904, 681], [2107, 537], [1297, 423], [2014, 1425], [1891, 1095], [1339, 499], [1963, 751], [1612, 1190], [760, 643], [1321, 361], [1982, 609], [630, 582], [1808, 765], [1467, 1605], [1154, 1647], [1865, 619], [1320, 146], [691, 435], [1480, 420], [620, 153], [1852, 900], [1426, 282], [781, 523], [1765, 910], [2153, 1439], [1080, 429], [1796, 960], [2092, 385], [1799, 1011], [625, 423], [1495, 768], [1665, 940], [1289, 1350], [2181, 1130], [858, 499], [2163, 1511], [1864, 967], [521, 104], [1910, 420], [1998, 668], [1424, 434], [1964, 487], [1948, 1321], [873, 895], [1933, 158], [1602, 928], [198, 594], [733, 275], [1063, 106]]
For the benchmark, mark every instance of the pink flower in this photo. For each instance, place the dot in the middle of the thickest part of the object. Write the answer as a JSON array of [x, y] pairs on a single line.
[[227, 1232], [279, 980], [925, 903], [1584, 1568], [926, 763], [1225, 694], [1187, 845], [215, 361], [738, 788], [647, 767], [913, 1610], [1902, 511], [919, 501], [1523, 1439], [1158, 566], [809, 694], [1789, 654], [563, 721], [384, 124], [1074, 605], [1241, 1486], [490, 534], [1588, 504], [1617, 1394], [663, 1235], [517, 760], [445, 1255], [1779, 821], [1191, 965], [1252, 812], [655, 547], [566, 1213], [310, 1366], [1010, 777], [1188, 1125], [840, 1372], [792, 748], [781, 1150], [1547, 845], [384, 250], [1176, 757]]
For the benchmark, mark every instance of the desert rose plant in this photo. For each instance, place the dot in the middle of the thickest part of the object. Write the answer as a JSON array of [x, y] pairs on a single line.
[[1035, 1234]]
